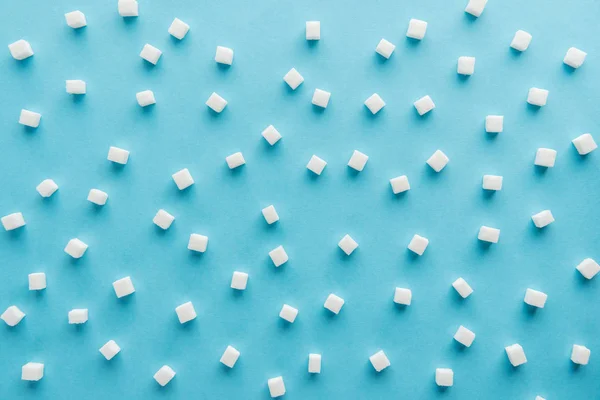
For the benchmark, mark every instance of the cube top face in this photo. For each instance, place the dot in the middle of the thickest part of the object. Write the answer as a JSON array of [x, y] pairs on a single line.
[[580, 354], [163, 219], [32, 371], [75, 86], [438, 161], [316, 165], [271, 135], [358, 160], [123, 287], [12, 316], [321, 98], [403, 296], [270, 214], [183, 179], [178, 29], [150, 53], [13, 221], [492, 182], [416, 29], [110, 349], [521, 40], [374, 103], [466, 65], [47, 188], [462, 287], [75, 19], [385, 48], [400, 184], [235, 160], [216, 102], [288, 313], [117, 155], [97, 197], [424, 105], [78, 316], [334, 303], [494, 123], [20, 50], [516, 355], [314, 363], [239, 280], [293, 78], [584, 144], [588, 268], [418, 244], [37, 281], [487, 234], [76, 248], [145, 98], [575, 57], [164, 375], [475, 7], [278, 256], [185, 312], [543, 218], [230, 356], [198, 242], [347, 244], [537, 97], [313, 30], [444, 377], [545, 157], [276, 386], [535, 298], [464, 336], [128, 8], [379, 361], [224, 55], [30, 118]]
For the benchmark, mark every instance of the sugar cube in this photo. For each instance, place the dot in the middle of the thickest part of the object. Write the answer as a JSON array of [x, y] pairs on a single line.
[[75, 19], [198, 242], [385, 48], [75, 86], [464, 336], [379, 361], [400, 184], [543, 218], [537, 97], [288, 313], [515, 354], [462, 287], [123, 287], [128, 8], [418, 244], [216, 102], [466, 65], [145, 98], [20, 50], [494, 123], [585, 144], [580, 354], [444, 377], [12, 316], [163, 219], [545, 157], [235, 160], [316, 164], [110, 349], [321, 98], [150, 53], [230, 356], [47, 188], [574, 57], [535, 298], [178, 29], [37, 281], [30, 118], [374, 103], [492, 182], [271, 135], [117, 155], [539, 398], [475, 7], [78, 316], [270, 214], [32, 371], [224, 55], [276, 386], [358, 160], [278, 256], [239, 280], [97, 197], [438, 160], [313, 30], [293, 78], [588, 268], [164, 375], [183, 179], [314, 363], [13, 221], [334, 303], [347, 244], [487, 234], [76, 248], [185, 312], [424, 105], [416, 29], [521, 40], [402, 296]]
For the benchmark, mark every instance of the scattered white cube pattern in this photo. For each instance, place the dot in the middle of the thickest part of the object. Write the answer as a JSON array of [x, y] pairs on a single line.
[[293, 78], [487, 234], [314, 363], [270, 214], [185, 312], [385, 48], [150, 53], [278, 256], [47, 188], [288, 313], [164, 375], [574, 57], [239, 280], [75, 19], [444, 377], [374, 103], [418, 244], [20, 50], [76, 248], [494, 123], [224, 55], [516, 354], [13, 221], [438, 160], [347, 244], [543, 218], [321, 98], [379, 361], [178, 29], [30, 118], [545, 157], [313, 30], [462, 287], [276, 387], [402, 296], [535, 298], [580, 354], [37, 281], [316, 164], [334, 303], [416, 29], [424, 105], [32, 371], [466, 65], [492, 182], [585, 144], [588, 268], [521, 40], [230, 356], [464, 336], [537, 97], [110, 349], [123, 287], [163, 219], [198, 242], [78, 316], [12, 316]]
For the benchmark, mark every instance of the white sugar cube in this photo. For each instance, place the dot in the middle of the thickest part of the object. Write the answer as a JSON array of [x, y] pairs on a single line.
[[13, 221], [424, 105], [400, 184], [185, 312], [402, 296], [462, 287], [379, 361], [464, 336], [239, 280], [515, 354], [580, 354], [75, 86], [521, 40], [545, 157], [198, 242], [313, 30], [535, 298], [466, 65], [492, 182], [110, 349], [574, 57], [416, 29], [288, 313], [278, 256], [12, 316], [123, 287], [224, 55], [145, 98], [293, 78], [75, 19], [537, 97], [270, 214], [321, 98], [494, 123], [316, 164], [230, 356], [97, 197], [444, 377], [178, 29], [358, 160], [30, 118], [163, 219], [216, 102], [20, 50], [32, 371], [271, 135], [543, 218], [418, 244], [78, 316], [47, 188], [374, 103], [585, 144], [150, 53], [128, 8], [334, 303], [235, 160], [76, 248], [475, 7], [588, 268], [539, 398], [183, 179], [347, 244], [438, 160], [487, 234], [314, 363], [276, 387], [117, 155], [164, 375], [37, 281], [385, 48]]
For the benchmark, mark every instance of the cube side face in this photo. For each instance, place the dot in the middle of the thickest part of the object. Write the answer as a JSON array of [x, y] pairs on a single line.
[[545, 157], [494, 123], [12, 316], [224, 55], [588, 268], [438, 161], [316, 165], [400, 184], [30, 118], [418, 244], [239, 280], [403, 296], [216, 103], [314, 363], [128, 8], [313, 30], [278, 256], [580, 354], [150, 54], [379, 361], [334, 303], [585, 144], [416, 29], [537, 97], [476, 7], [186, 312], [123, 287], [13, 221], [444, 377], [347, 244], [464, 336], [293, 78], [110, 349], [164, 375], [466, 65], [516, 355], [270, 214], [178, 29], [424, 105], [198, 243], [543, 219], [230, 356], [385, 48], [288, 313], [535, 298], [492, 182], [276, 387], [374, 103], [271, 135], [321, 98], [575, 57], [117, 155], [32, 371], [20, 50], [490, 235], [462, 287]]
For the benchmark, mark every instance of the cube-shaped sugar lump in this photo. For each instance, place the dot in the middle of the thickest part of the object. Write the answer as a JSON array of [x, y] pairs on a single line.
[[585, 144], [545, 157], [402, 296], [20, 50], [379, 361], [385, 48], [37, 281], [418, 244], [47, 188], [185, 312], [278, 256], [424, 105], [75, 19], [334, 303], [110, 349], [224, 55], [400, 184], [580, 354], [321, 98], [13, 221], [183, 179], [462, 288], [316, 164], [543, 218], [444, 377], [198, 242], [150, 53], [276, 387], [128, 8], [537, 97], [494, 123], [516, 354], [347, 244], [313, 30], [145, 98], [117, 155], [12, 315], [164, 375], [293, 78], [30, 118], [487, 234], [374, 103], [314, 363], [521, 40], [464, 336], [588, 268], [492, 182], [475, 7], [235, 160], [178, 29], [438, 160], [123, 287], [535, 298], [230, 356], [288, 313], [32, 371], [574, 57], [539, 398], [78, 316], [416, 29], [163, 219], [239, 280], [271, 135], [216, 102], [76, 248], [75, 86], [358, 160], [270, 214], [97, 197], [466, 65]]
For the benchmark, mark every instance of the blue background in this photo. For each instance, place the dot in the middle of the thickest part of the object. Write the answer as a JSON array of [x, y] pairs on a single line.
[[71, 145]]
